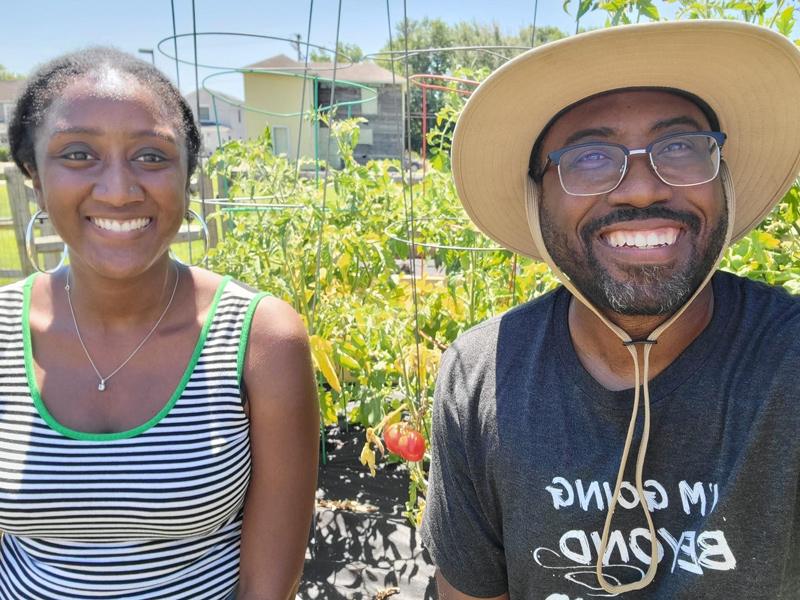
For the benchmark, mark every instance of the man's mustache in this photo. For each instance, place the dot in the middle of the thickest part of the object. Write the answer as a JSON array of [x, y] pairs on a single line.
[[624, 215]]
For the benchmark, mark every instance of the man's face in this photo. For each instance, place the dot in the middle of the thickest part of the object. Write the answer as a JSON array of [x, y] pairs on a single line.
[[595, 239]]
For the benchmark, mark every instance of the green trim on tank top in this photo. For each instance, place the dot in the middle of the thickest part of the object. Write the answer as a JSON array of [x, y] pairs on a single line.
[[119, 435], [248, 319]]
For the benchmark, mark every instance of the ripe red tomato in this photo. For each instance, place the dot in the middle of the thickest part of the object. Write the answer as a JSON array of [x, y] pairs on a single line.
[[391, 436], [412, 446]]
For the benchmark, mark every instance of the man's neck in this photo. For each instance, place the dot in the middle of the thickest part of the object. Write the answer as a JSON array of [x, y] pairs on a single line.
[[602, 354]]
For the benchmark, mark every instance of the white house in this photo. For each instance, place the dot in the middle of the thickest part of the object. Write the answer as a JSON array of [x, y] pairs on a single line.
[[229, 124], [8, 90]]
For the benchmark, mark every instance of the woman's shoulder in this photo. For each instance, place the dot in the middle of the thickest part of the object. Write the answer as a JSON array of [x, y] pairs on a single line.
[[272, 318], [211, 283], [15, 289]]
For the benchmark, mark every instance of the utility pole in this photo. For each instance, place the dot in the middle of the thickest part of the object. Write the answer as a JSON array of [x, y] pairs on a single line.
[[296, 43], [150, 52]]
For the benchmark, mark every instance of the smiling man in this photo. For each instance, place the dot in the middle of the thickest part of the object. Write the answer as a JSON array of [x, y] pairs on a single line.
[[629, 163]]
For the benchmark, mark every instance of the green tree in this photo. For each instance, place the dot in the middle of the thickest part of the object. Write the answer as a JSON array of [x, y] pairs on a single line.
[[779, 15], [352, 51], [432, 34], [6, 75]]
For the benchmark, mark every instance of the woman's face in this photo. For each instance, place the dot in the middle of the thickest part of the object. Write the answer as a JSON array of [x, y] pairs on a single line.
[[112, 174]]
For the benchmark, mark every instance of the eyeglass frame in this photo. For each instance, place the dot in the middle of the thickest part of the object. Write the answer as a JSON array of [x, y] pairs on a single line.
[[554, 157]]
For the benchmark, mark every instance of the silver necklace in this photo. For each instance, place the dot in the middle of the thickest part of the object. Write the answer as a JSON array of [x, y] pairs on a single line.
[[103, 380]]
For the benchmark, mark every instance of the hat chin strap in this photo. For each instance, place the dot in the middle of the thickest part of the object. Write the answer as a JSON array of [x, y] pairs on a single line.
[[532, 201]]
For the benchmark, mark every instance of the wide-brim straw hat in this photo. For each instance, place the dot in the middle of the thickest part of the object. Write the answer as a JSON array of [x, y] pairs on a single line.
[[748, 75]]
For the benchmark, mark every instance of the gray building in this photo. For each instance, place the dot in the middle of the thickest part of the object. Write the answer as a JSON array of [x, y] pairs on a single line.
[[8, 91]]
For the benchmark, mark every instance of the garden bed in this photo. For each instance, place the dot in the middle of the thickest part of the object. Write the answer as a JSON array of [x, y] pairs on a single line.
[[367, 546]]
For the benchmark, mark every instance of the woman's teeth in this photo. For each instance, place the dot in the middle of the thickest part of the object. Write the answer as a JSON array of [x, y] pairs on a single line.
[[642, 239], [112, 225]]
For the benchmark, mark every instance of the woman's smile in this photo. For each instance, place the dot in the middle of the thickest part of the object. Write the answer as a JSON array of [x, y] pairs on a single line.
[[121, 226]]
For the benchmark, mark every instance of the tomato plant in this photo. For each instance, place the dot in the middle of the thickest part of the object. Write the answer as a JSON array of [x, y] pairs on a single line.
[[378, 331], [412, 446], [391, 437]]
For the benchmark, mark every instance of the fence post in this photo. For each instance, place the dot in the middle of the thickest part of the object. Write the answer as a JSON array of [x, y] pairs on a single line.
[[20, 214], [208, 188], [223, 185]]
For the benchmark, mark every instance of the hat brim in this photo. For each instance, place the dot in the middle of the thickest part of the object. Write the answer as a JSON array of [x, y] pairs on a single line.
[[748, 75]]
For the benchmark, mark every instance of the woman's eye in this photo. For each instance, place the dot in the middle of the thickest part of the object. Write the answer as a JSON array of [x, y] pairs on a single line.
[[77, 155], [150, 158]]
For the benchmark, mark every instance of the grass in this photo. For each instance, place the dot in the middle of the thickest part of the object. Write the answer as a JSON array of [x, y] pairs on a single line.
[[5, 207], [9, 258]]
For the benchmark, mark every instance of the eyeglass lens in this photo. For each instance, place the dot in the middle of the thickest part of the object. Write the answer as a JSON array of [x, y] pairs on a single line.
[[678, 160]]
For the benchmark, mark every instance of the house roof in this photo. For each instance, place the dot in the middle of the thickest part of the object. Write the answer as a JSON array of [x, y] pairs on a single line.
[[356, 72], [9, 89], [191, 95]]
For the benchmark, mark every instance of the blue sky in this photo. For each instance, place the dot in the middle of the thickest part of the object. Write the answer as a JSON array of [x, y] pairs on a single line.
[[37, 30]]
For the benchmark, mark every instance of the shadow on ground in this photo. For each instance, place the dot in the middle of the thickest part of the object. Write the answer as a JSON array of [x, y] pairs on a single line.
[[355, 555]]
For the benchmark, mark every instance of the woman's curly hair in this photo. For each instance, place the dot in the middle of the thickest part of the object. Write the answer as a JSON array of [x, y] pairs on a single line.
[[46, 83]]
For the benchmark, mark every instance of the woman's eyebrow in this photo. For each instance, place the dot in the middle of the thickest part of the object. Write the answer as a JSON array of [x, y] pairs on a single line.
[[81, 130], [97, 133]]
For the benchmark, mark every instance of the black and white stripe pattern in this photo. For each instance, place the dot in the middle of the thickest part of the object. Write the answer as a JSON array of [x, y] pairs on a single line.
[[154, 515]]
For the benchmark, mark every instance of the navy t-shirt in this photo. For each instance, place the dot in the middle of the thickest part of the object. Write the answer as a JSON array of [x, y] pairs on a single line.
[[526, 447]]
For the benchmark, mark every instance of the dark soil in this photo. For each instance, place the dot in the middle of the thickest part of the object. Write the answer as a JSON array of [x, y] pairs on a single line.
[[355, 555]]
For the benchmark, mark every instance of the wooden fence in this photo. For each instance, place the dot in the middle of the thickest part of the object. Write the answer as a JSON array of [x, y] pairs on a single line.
[[47, 244]]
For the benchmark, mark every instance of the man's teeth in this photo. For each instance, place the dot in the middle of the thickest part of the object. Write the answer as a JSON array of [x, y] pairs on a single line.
[[112, 225], [642, 239]]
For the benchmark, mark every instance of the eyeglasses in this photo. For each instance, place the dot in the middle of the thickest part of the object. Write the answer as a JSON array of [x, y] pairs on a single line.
[[680, 159]]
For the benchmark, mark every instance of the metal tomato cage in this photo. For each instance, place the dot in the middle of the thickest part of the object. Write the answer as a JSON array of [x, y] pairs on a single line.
[[422, 80]]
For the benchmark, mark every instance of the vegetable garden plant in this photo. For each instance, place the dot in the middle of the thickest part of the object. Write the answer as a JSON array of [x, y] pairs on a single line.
[[377, 333]]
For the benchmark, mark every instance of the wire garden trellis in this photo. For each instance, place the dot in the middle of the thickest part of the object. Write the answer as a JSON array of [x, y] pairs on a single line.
[[340, 62]]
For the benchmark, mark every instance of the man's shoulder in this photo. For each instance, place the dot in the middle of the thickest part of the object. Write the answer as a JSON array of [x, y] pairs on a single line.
[[518, 323], [757, 295], [759, 288], [760, 310]]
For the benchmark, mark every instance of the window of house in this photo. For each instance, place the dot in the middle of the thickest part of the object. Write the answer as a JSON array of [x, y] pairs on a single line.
[[205, 113], [370, 107], [280, 140], [364, 136]]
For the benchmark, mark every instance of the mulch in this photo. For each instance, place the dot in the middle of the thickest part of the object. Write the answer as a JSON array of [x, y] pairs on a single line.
[[363, 547]]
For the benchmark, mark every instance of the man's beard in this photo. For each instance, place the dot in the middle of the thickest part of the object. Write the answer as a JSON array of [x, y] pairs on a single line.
[[648, 289]]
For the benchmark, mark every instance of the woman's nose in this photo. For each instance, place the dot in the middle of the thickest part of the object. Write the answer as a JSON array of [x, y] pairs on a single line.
[[117, 184]]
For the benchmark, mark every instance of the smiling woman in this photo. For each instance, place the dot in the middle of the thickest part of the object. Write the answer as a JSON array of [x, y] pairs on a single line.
[[159, 422]]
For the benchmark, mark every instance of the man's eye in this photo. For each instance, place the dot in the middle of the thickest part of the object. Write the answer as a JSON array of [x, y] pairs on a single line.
[[590, 159], [677, 146], [594, 156]]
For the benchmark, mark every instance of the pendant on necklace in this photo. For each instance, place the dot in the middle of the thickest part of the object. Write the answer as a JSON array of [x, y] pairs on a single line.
[[102, 385]]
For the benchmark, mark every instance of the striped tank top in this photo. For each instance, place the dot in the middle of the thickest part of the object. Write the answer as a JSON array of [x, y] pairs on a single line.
[[154, 512]]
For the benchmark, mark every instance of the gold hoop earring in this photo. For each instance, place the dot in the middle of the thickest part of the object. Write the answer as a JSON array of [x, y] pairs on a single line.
[[30, 245], [191, 216]]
